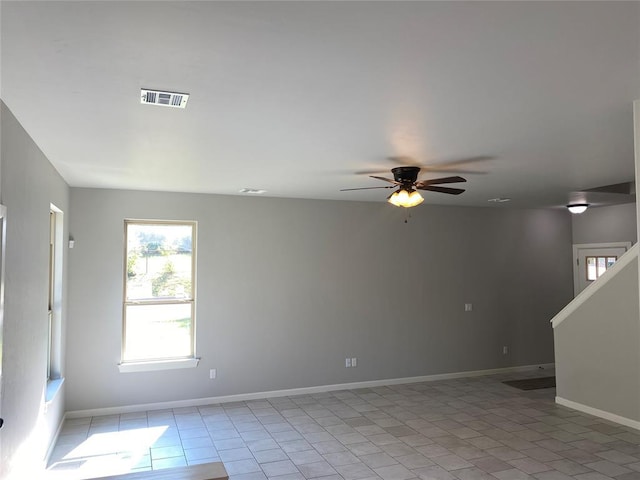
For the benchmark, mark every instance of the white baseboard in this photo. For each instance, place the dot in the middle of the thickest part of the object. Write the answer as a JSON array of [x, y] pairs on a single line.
[[53, 442], [242, 397], [612, 417]]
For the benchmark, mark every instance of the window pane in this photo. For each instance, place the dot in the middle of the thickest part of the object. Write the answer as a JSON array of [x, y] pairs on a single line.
[[601, 265], [591, 268], [159, 261], [611, 261], [158, 331]]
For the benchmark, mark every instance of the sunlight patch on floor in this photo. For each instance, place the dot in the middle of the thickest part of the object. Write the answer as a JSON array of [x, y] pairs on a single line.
[[107, 453]]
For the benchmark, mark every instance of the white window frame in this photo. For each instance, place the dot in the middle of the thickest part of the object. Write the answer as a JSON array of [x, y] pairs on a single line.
[[54, 372], [151, 364]]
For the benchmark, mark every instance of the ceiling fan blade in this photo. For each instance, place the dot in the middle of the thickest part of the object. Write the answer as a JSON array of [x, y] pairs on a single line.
[[424, 169], [402, 160], [364, 188], [385, 179], [435, 188], [460, 161], [437, 181], [451, 166]]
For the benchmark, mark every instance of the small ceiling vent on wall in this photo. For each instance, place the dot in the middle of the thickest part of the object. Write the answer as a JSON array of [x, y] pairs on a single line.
[[164, 99]]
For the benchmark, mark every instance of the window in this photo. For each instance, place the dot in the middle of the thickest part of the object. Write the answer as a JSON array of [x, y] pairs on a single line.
[[159, 297], [52, 270], [54, 303], [596, 266]]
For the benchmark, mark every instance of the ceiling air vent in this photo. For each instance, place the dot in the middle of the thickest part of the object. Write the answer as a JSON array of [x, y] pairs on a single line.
[[253, 191], [164, 99]]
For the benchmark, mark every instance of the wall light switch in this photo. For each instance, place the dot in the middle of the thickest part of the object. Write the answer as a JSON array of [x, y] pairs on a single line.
[[354, 362], [505, 350], [213, 373], [468, 307], [347, 362]]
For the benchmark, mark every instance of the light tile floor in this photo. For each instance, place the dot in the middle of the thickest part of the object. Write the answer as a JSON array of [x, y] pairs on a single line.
[[464, 429]]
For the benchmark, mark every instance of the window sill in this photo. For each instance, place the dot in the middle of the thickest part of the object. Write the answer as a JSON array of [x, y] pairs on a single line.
[[129, 367], [53, 387]]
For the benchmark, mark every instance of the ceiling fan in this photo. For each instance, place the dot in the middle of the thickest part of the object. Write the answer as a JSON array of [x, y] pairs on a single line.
[[455, 166], [405, 179]]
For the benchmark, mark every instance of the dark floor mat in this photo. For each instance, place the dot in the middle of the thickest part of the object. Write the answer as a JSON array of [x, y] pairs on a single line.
[[532, 383]]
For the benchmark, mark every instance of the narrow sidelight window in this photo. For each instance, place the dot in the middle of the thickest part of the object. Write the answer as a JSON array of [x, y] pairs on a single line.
[[54, 298], [52, 278]]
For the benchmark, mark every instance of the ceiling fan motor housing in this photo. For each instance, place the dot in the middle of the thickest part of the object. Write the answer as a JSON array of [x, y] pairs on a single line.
[[407, 176]]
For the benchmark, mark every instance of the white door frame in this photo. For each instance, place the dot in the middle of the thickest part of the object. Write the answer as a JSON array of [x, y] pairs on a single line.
[[579, 246]]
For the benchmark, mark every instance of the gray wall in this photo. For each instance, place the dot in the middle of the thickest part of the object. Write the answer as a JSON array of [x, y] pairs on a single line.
[[597, 350], [288, 288], [615, 223], [29, 185]]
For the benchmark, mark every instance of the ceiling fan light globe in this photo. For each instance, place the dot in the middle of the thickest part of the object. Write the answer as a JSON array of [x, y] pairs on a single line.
[[578, 207], [414, 199], [403, 198], [393, 199]]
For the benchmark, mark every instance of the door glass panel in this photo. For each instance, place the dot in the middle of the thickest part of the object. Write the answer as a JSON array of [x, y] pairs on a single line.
[[596, 266], [585, 267], [591, 268], [602, 266]]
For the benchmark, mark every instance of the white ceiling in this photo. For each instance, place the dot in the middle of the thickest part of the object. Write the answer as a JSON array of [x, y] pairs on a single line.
[[298, 97]]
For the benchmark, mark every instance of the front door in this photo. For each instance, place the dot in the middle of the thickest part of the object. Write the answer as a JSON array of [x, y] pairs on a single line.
[[591, 260]]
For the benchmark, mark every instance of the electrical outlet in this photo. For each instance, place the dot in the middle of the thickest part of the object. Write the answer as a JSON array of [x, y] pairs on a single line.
[[354, 362], [505, 350], [347, 362], [213, 373]]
